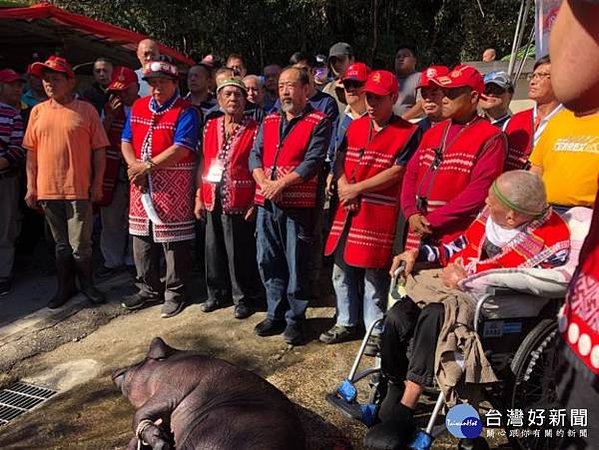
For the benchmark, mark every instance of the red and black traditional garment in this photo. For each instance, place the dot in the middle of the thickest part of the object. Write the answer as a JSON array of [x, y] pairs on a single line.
[[114, 158], [171, 190], [371, 229], [237, 185], [579, 321], [280, 157], [448, 178]]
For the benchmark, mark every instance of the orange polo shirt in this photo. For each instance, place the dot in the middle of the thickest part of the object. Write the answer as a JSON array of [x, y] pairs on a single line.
[[63, 138]]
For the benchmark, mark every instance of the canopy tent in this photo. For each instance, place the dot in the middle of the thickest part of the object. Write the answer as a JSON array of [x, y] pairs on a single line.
[[45, 28]]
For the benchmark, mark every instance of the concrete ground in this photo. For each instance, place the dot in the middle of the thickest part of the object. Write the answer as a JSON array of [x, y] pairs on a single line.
[[74, 350]]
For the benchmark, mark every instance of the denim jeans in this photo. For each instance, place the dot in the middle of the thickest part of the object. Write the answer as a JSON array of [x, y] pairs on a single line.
[[285, 249], [351, 297], [115, 242]]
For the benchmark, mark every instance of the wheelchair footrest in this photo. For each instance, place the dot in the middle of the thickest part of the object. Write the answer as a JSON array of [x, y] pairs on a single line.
[[354, 410], [350, 409]]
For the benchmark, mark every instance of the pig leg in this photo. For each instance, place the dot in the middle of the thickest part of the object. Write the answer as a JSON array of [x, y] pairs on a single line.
[[134, 445], [155, 408]]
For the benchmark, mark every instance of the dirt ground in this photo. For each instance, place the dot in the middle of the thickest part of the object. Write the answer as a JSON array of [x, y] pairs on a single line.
[[89, 412], [75, 352]]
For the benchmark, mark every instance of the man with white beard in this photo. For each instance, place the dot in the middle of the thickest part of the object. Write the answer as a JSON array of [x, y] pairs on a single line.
[[285, 162]]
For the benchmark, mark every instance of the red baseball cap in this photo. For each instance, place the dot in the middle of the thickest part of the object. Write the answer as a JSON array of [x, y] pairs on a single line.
[[55, 63], [382, 82], [357, 72], [462, 75], [9, 76], [122, 78], [431, 72]]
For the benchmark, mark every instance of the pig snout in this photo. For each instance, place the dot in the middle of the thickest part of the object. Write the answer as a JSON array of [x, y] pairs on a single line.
[[118, 377]]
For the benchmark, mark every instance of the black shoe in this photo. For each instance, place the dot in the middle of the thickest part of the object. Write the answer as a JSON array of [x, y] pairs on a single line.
[[210, 305], [170, 309], [242, 311], [294, 334], [393, 434], [373, 345], [136, 301], [339, 334], [5, 288], [269, 327]]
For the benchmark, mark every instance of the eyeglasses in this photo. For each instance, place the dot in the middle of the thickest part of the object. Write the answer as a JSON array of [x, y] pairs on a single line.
[[539, 75]]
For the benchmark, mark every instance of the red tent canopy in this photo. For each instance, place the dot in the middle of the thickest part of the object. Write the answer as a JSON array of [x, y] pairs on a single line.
[[78, 38]]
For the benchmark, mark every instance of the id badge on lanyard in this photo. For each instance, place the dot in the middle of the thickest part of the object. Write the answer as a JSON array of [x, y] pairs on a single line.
[[215, 172]]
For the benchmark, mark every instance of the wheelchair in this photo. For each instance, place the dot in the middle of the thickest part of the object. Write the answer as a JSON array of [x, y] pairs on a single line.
[[522, 351]]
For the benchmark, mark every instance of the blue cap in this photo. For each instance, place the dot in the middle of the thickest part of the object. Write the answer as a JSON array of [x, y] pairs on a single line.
[[501, 79]]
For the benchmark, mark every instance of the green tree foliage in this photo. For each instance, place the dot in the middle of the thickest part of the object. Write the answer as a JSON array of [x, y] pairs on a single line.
[[264, 31]]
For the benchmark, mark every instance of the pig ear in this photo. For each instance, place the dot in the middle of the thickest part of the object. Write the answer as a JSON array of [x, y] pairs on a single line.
[[159, 349]]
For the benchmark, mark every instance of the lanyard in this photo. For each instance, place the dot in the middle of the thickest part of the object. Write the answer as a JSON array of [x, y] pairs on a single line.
[[437, 161]]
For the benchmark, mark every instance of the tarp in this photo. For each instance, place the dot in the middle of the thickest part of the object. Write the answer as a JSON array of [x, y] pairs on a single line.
[[82, 38]]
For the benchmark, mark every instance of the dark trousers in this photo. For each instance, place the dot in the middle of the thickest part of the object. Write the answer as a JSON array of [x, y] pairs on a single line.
[[231, 270], [71, 224], [146, 254], [404, 321], [285, 250], [577, 388]]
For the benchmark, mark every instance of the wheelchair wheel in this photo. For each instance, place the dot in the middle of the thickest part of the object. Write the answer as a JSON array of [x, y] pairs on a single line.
[[533, 368], [378, 388]]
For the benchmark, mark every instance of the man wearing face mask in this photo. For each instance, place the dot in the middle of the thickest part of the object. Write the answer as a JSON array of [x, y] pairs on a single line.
[[436, 314], [341, 55], [225, 198]]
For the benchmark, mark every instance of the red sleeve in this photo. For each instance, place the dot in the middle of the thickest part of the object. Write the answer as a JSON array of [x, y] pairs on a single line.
[[408, 188], [471, 200]]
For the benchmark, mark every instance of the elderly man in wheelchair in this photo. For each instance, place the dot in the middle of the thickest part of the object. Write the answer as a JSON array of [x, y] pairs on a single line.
[[431, 334]]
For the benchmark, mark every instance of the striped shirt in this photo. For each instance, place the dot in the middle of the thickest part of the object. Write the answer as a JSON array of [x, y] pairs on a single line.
[[11, 138]]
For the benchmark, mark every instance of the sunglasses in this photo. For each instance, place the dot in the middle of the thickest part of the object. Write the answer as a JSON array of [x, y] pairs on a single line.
[[454, 93]]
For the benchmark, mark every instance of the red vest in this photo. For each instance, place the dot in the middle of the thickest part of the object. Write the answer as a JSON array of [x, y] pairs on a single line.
[[171, 189], [453, 174], [237, 179], [280, 158], [114, 158], [579, 321], [372, 228], [542, 238], [520, 138]]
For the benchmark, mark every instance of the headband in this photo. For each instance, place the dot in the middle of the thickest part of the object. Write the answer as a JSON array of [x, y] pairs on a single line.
[[507, 202]]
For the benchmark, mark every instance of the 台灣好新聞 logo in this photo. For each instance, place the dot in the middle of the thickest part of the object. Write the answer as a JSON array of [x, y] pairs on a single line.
[[463, 421]]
